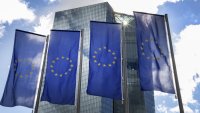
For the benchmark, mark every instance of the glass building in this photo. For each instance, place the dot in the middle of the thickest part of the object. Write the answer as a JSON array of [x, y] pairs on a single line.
[[79, 19]]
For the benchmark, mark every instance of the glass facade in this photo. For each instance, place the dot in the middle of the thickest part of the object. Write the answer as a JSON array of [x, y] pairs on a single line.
[[79, 19]]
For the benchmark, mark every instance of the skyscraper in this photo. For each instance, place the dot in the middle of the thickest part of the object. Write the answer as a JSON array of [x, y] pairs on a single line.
[[79, 19]]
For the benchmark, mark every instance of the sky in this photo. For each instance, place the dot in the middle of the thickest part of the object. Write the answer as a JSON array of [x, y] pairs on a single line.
[[184, 19]]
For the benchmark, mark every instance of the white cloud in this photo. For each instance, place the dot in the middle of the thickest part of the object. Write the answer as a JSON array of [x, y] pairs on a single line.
[[51, 1], [161, 108], [187, 56], [158, 93], [186, 110], [187, 61], [11, 10], [2, 29], [45, 24]]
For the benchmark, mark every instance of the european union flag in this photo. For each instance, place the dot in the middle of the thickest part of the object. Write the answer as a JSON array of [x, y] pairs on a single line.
[[105, 60], [22, 80], [60, 80], [153, 54]]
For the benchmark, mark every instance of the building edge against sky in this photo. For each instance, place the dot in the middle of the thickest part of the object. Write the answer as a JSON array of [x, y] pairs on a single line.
[[78, 19]]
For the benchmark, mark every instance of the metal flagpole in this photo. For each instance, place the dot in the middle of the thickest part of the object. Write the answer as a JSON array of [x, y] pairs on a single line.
[[40, 78], [125, 70], [80, 74], [174, 68]]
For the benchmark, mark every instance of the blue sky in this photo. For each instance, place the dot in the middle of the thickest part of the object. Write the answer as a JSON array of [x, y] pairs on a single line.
[[184, 18]]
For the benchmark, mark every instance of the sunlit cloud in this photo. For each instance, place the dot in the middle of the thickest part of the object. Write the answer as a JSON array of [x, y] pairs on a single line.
[[187, 56], [158, 93], [187, 60], [11, 10], [51, 1], [161, 108], [45, 24], [2, 30], [186, 110]]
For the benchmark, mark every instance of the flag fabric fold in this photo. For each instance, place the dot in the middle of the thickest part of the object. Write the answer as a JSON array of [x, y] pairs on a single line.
[[60, 79], [153, 55], [25, 66], [105, 60]]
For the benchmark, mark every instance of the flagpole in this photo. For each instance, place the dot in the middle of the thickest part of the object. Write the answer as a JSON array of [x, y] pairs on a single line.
[[174, 68], [80, 74], [40, 79], [124, 70]]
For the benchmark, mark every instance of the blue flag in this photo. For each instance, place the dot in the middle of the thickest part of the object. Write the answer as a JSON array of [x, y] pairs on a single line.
[[60, 80], [153, 54], [105, 60], [22, 80]]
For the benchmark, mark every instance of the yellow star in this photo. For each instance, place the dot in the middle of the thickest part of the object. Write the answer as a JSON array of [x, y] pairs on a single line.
[[94, 56], [113, 53], [109, 50], [63, 57], [61, 75], [95, 61], [109, 65], [104, 47], [143, 53], [95, 52], [104, 65], [65, 73], [70, 61], [52, 71], [115, 58], [67, 58], [57, 58], [69, 69], [21, 76], [56, 74], [53, 61], [113, 62], [71, 65], [99, 64], [51, 66], [99, 49]]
